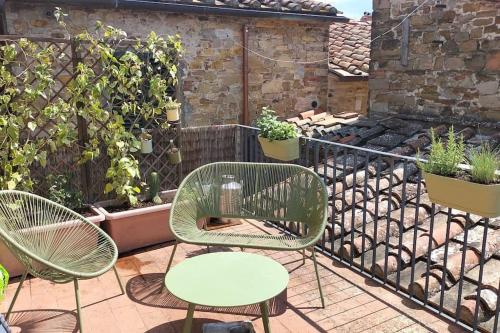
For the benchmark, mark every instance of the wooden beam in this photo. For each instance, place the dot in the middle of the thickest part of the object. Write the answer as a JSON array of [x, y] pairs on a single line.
[[405, 44]]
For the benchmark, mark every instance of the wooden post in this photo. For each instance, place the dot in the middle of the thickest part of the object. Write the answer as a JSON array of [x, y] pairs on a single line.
[[83, 136], [405, 44]]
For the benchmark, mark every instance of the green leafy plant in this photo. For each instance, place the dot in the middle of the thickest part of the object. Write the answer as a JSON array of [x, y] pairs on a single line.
[[145, 136], [484, 164], [136, 88], [444, 158], [4, 281], [273, 129], [171, 104], [27, 107], [60, 189]]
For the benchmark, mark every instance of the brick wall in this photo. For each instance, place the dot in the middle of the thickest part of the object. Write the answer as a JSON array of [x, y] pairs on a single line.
[[346, 95], [454, 61], [211, 88]]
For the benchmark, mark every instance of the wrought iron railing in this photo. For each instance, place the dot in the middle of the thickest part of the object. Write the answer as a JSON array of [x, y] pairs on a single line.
[[383, 225]]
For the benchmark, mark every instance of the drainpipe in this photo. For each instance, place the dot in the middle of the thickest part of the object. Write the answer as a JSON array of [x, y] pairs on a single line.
[[245, 117]]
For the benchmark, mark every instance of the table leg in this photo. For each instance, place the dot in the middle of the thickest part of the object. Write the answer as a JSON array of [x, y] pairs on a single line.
[[265, 316], [188, 323]]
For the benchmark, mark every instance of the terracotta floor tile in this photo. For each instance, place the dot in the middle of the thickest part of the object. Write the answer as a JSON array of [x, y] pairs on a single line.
[[353, 303]]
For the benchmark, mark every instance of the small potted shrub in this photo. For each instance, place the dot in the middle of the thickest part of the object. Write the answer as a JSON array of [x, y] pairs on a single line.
[[172, 108], [142, 224], [278, 139], [146, 142], [173, 154], [475, 189], [4, 280], [57, 188]]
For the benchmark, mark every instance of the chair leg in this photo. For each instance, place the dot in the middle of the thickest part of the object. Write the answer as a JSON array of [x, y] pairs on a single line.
[[171, 258], [303, 256], [169, 265], [317, 277], [78, 307], [16, 294], [119, 280]]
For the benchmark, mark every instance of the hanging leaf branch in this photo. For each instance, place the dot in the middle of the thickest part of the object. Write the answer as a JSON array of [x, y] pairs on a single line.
[[135, 78], [32, 123], [117, 84]]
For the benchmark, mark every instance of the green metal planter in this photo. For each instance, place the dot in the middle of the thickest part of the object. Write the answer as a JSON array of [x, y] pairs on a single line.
[[479, 199], [283, 150]]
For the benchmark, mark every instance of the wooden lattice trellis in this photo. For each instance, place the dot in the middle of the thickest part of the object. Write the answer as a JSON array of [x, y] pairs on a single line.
[[89, 178]]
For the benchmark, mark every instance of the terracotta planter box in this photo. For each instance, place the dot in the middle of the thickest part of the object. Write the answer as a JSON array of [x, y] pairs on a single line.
[[137, 228], [284, 150], [14, 267], [479, 199]]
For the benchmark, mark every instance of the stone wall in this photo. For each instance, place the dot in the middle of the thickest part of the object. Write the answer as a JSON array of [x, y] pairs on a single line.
[[347, 95], [453, 71], [211, 79]]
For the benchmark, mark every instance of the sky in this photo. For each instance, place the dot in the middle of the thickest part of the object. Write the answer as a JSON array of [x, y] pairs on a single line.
[[352, 8]]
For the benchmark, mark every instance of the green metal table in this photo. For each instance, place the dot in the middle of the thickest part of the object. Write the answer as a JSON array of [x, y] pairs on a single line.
[[227, 279]]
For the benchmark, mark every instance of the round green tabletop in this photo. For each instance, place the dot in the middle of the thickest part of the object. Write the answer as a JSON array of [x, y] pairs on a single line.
[[227, 279]]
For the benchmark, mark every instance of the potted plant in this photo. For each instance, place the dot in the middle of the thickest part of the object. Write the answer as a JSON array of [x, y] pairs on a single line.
[[4, 280], [58, 188], [146, 142], [278, 139], [172, 108], [174, 154], [473, 189], [142, 224]]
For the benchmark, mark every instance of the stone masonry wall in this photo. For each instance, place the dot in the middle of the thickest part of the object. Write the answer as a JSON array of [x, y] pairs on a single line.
[[454, 61], [211, 78], [347, 95]]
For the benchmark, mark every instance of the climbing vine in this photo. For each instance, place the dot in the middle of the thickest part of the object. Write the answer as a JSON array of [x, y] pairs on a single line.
[[117, 85], [23, 90]]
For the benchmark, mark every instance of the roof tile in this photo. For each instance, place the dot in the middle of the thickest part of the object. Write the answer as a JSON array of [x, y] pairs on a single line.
[[353, 39], [300, 6]]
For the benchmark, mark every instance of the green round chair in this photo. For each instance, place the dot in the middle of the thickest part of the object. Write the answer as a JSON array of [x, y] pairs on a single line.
[[53, 242], [258, 191]]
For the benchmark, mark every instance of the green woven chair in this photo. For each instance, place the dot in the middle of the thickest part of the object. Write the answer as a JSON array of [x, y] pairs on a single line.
[[53, 242], [260, 191]]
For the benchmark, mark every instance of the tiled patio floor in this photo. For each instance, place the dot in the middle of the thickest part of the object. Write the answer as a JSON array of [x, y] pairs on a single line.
[[353, 303]]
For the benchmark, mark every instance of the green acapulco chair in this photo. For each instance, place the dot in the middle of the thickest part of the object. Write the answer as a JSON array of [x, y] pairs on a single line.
[[53, 242], [260, 191]]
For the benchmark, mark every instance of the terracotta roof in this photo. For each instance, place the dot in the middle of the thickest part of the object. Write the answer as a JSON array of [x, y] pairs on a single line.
[[303, 9], [404, 138], [292, 6], [350, 48]]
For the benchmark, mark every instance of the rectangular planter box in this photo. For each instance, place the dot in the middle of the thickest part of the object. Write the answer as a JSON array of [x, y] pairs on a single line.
[[15, 268], [482, 200], [137, 228]]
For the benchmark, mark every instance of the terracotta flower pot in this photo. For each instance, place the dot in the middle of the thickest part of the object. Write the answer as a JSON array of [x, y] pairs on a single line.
[[284, 150], [15, 268], [146, 146], [474, 198], [136, 228], [174, 157], [173, 115]]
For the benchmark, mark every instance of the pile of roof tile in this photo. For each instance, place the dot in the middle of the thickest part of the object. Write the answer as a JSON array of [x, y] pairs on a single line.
[[402, 221]]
